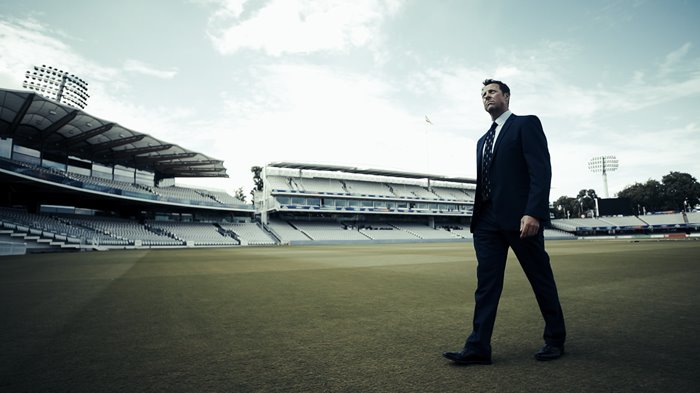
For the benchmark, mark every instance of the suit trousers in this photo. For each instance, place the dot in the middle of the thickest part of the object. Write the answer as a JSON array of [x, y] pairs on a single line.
[[491, 245]]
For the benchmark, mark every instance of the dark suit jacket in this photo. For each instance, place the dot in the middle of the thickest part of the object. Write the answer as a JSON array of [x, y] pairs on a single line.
[[520, 173]]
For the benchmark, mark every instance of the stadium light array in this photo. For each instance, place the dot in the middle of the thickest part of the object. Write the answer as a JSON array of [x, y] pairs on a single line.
[[603, 164], [57, 85]]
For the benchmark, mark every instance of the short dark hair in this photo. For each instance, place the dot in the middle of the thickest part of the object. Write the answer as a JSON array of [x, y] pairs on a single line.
[[504, 88]]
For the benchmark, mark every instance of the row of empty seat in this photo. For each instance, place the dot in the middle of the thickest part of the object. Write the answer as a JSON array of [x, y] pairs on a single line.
[[552, 233], [295, 231], [125, 229], [196, 233], [250, 234], [96, 183], [54, 228], [328, 231], [285, 232], [387, 232], [367, 188], [673, 219], [111, 231]]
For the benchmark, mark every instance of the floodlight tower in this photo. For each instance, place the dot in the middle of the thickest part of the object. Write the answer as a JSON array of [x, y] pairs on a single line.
[[58, 85], [603, 164]]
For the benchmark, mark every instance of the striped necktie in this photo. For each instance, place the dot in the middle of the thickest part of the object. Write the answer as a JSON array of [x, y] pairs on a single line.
[[486, 162]]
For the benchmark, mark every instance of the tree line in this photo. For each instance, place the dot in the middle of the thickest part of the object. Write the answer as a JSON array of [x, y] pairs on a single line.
[[676, 191]]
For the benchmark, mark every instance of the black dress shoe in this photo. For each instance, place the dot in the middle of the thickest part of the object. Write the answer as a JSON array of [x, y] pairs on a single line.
[[467, 357], [550, 352]]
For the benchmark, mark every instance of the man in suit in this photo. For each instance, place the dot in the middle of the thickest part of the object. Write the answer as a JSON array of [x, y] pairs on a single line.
[[510, 208]]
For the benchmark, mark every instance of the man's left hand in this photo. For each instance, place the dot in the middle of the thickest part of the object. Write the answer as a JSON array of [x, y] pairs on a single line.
[[529, 226]]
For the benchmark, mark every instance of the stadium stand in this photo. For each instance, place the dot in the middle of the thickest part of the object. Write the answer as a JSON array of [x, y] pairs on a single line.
[[391, 196], [70, 180], [308, 187]]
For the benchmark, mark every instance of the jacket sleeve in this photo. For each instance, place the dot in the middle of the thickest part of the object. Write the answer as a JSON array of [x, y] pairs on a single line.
[[536, 154]]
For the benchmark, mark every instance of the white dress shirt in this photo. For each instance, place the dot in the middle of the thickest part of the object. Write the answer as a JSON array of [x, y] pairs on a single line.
[[500, 121]]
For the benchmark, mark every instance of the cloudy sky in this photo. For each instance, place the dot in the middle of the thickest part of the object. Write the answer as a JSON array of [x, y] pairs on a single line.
[[351, 82]]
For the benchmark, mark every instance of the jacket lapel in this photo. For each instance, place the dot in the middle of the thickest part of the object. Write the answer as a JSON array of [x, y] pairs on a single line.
[[503, 131], [479, 154]]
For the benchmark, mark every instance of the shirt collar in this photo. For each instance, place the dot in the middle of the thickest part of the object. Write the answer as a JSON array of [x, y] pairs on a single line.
[[503, 117]]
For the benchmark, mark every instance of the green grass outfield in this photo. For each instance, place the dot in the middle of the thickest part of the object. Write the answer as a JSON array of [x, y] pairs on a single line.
[[361, 318]]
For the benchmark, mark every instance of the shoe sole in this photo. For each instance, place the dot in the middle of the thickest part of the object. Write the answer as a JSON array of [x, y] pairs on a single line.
[[480, 362], [545, 358], [468, 362]]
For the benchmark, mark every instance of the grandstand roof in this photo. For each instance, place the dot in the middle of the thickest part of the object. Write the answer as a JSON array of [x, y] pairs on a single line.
[[370, 171], [61, 131]]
